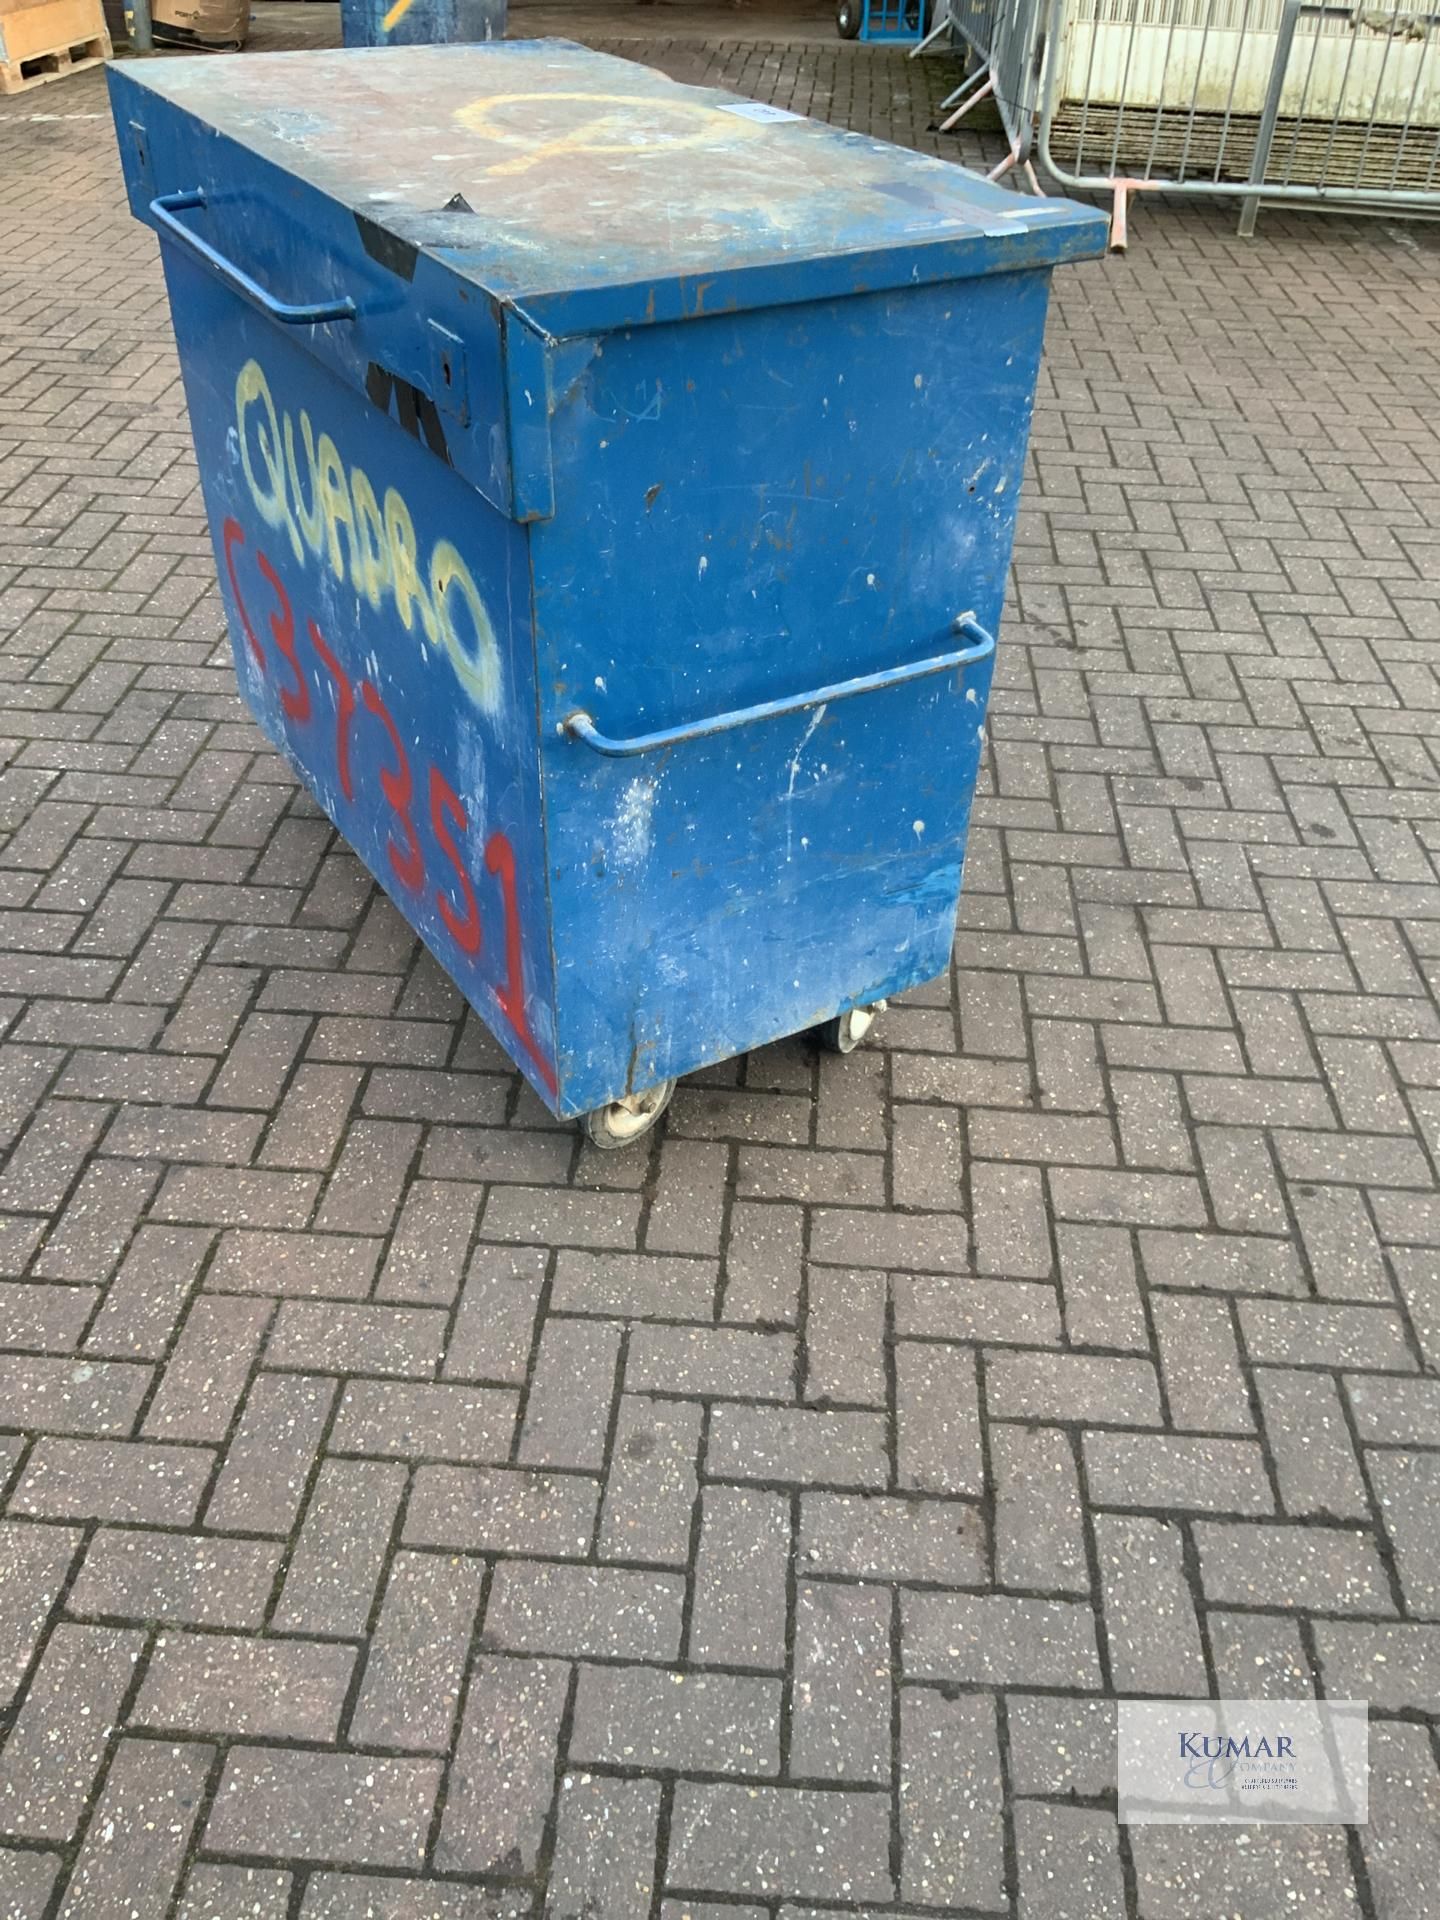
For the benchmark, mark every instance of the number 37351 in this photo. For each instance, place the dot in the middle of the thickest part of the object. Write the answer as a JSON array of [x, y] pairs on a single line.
[[355, 701]]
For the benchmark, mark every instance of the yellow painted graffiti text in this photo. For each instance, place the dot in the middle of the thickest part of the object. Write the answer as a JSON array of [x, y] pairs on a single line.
[[332, 515]]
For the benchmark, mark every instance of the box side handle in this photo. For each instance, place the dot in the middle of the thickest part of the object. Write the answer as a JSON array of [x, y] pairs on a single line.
[[580, 726], [163, 210]]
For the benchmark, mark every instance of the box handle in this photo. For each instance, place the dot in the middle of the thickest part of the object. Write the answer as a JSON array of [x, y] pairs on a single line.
[[164, 209], [982, 644]]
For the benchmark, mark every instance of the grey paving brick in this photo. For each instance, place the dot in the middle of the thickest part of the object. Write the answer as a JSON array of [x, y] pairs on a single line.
[[410, 1692], [133, 1853], [239, 1684], [952, 1835], [128, 1480], [1060, 1745], [854, 1237], [954, 1307], [727, 1363], [816, 1843], [1100, 1289], [502, 1779], [1395, 1667], [763, 1260], [315, 1334], [650, 1498], [1182, 1872], [56, 1744], [338, 1558], [1394, 1412], [336, 1896], [1334, 1569], [1315, 1462], [1205, 1388], [415, 1420], [200, 1580], [1151, 1631], [653, 1717], [1401, 1839], [884, 1537], [844, 1338], [26, 1880], [1011, 1222], [1156, 1470], [1341, 1243], [261, 1485], [799, 1444], [1222, 1263], [502, 1510], [583, 1612], [34, 1563], [937, 1418], [1304, 1333], [1068, 1858], [1407, 1486], [572, 1389], [994, 1640], [1039, 1517], [234, 1893], [303, 1265], [605, 1847], [840, 1711], [1064, 1386], [72, 1396], [426, 1261], [688, 1205], [647, 1286], [1258, 1656], [738, 1613], [492, 1332], [326, 1807], [209, 1367]]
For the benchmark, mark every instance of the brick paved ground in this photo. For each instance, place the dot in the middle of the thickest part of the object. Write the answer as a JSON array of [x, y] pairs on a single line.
[[409, 1514]]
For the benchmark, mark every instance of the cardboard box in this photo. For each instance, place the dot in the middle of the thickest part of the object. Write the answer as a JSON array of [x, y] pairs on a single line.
[[221, 24]]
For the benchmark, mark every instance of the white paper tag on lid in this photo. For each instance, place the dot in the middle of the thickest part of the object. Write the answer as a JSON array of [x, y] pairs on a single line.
[[757, 110]]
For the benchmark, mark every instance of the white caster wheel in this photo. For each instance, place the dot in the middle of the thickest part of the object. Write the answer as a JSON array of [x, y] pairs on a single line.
[[845, 1032], [625, 1121]]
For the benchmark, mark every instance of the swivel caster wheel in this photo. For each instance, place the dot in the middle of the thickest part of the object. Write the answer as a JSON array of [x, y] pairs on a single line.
[[845, 1032], [625, 1121], [848, 15]]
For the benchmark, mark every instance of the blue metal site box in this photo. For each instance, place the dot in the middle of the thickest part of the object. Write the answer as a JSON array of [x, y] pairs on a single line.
[[414, 23], [612, 486]]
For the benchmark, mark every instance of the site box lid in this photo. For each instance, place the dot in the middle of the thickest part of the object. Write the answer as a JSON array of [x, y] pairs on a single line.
[[597, 193]]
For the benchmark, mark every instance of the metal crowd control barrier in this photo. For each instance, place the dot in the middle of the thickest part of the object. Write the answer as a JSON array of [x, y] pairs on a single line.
[[1299, 102], [1002, 39], [1273, 100]]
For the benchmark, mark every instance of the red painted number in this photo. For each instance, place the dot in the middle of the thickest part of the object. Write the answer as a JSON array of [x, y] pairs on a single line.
[[458, 908], [446, 812], [295, 700], [409, 866], [233, 535], [344, 708], [500, 860]]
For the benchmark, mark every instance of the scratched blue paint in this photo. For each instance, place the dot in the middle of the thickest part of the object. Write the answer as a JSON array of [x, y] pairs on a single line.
[[640, 408], [394, 23]]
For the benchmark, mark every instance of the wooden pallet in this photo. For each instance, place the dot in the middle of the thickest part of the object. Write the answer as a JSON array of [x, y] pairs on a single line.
[[44, 40]]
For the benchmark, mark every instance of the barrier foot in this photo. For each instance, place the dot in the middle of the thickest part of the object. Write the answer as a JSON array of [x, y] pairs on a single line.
[[1119, 238]]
